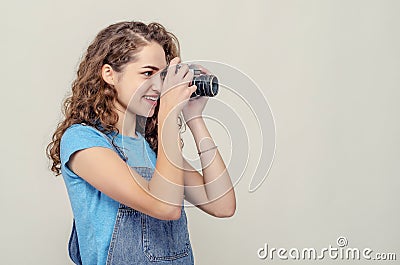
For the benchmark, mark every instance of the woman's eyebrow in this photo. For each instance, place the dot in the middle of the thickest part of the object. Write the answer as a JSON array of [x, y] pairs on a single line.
[[151, 67]]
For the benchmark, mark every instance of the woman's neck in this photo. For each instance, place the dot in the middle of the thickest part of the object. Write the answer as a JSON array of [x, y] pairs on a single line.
[[126, 123]]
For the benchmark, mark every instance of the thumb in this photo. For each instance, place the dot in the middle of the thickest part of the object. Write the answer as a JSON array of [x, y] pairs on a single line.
[[192, 89]]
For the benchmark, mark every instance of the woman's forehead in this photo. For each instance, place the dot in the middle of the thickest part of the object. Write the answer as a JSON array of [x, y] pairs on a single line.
[[151, 54]]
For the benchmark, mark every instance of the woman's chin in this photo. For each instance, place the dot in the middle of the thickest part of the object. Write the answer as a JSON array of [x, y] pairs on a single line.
[[148, 114]]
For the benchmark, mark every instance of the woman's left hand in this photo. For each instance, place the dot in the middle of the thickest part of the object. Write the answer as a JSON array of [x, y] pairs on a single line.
[[195, 106]]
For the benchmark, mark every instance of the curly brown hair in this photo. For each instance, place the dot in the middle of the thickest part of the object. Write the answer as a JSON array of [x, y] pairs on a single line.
[[92, 99]]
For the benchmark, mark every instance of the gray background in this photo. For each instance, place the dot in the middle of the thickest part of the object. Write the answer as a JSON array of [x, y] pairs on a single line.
[[330, 71]]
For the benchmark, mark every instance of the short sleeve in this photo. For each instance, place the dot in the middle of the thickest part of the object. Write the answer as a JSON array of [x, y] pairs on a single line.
[[79, 137]]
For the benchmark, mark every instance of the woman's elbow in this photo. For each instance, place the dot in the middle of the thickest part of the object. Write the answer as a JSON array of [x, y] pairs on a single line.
[[225, 213], [170, 213], [174, 215]]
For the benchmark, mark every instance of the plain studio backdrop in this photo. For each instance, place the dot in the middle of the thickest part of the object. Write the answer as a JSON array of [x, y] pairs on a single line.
[[329, 69]]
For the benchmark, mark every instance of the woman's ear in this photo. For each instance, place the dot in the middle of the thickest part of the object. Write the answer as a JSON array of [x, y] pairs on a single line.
[[108, 74]]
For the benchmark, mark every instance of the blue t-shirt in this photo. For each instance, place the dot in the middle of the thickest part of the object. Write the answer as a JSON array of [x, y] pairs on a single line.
[[94, 212]]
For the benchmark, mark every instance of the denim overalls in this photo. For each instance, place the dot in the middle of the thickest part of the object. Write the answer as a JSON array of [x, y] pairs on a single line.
[[138, 238]]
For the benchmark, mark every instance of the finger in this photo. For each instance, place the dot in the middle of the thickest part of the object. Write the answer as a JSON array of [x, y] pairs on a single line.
[[182, 70], [175, 61], [202, 69], [172, 66], [192, 89], [183, 77], [188, 76]]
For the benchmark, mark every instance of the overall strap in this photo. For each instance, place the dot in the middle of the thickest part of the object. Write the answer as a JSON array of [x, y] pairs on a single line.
[[110, 140]]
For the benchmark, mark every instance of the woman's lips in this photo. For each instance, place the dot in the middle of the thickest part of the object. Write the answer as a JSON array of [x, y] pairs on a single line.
[[151, 102]]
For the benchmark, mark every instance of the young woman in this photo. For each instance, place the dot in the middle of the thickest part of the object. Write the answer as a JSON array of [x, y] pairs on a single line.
[[119, 151]]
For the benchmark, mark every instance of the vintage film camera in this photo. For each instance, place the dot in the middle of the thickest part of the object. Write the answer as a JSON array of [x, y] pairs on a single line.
[[207, 85]]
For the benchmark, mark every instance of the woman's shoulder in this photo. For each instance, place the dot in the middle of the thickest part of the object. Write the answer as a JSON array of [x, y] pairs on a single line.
[[81, 128], [82, 131], [83, 136]]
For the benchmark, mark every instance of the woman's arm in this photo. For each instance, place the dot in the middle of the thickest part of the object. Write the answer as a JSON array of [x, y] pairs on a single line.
[[108, 173], [161, 197], [213, 192]]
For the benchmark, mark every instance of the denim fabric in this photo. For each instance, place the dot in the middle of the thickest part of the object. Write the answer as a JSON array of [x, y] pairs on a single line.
[[141, 239], [73, 246]]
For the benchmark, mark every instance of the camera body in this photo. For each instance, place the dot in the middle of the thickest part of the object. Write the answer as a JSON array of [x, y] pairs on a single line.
[[207, 85]]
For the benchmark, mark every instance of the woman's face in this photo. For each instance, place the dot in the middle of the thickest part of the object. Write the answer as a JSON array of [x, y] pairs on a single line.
[[137, 91]]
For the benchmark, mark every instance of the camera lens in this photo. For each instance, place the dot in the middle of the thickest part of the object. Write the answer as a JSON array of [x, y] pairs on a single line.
[[214, 85], [207, 85]]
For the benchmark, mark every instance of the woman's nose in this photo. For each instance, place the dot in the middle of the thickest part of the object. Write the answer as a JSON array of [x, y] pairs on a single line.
[[156, 84]]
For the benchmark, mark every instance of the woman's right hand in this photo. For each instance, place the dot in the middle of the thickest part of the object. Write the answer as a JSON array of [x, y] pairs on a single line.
[[175, 91]]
